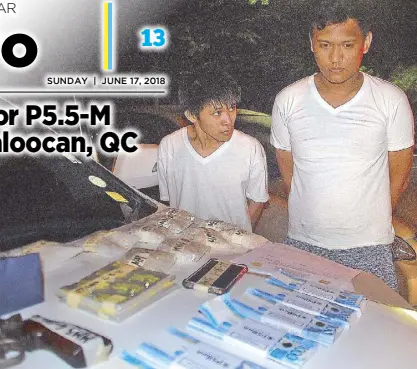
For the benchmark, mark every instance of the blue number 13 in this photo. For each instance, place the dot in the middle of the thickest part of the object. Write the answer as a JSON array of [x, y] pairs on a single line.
[[159, 37]]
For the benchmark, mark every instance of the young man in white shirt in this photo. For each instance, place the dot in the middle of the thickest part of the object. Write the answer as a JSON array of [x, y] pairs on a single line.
[[208, 168], [344, 146]]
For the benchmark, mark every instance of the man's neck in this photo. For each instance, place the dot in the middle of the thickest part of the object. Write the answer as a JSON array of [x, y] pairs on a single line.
[[337, 94], [202, 143], [352, 85]]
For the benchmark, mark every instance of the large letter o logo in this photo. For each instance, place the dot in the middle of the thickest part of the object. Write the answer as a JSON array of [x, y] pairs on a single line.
[[27, 59]]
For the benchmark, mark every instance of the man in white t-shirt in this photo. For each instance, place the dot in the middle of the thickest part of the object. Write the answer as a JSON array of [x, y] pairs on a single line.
[[344, 145], [208, 168]]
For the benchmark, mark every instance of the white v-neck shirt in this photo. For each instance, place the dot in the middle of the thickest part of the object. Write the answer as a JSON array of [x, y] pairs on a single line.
[[340, 190], [216, 186]]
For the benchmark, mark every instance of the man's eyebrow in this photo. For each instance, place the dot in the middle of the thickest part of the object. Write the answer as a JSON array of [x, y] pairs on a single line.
[[351, 39]]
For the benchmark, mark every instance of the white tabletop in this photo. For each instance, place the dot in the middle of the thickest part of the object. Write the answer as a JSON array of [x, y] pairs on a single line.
[[383, 338]]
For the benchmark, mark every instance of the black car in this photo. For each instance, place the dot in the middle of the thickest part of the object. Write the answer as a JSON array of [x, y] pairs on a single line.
[[62, 198]]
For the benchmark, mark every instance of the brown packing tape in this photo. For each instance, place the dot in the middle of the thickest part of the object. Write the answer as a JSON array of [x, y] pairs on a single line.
[[158, 288], [164, 286], [102, 315], [81, 290], [109, 307]]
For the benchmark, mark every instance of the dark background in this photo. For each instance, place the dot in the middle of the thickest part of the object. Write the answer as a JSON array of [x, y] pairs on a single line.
[[266, 46]]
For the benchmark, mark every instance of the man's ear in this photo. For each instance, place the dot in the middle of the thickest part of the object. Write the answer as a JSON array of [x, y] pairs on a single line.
[[367, 43], [190, 116]]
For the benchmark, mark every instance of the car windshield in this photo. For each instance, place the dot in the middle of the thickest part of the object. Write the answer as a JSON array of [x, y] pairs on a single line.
[[61, 198]]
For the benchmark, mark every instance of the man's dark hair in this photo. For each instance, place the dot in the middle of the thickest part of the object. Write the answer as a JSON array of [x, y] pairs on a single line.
[[206, 85], [328, 12]]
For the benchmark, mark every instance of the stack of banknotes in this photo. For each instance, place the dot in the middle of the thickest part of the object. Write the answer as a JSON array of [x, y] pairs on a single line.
[[282, 322]]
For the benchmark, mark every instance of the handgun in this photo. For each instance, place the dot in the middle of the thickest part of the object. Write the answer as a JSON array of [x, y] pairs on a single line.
[[78, 346]]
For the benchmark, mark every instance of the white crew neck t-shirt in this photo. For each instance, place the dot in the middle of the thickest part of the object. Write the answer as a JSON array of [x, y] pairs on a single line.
[[340, 190], [216, 186]]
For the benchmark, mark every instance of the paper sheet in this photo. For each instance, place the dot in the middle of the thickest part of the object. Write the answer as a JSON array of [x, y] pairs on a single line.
[[270, 257]]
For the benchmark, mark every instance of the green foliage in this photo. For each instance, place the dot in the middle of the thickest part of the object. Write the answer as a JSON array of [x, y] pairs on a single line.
[[406, 79], [369, 71], [266, 47], [262, 2]]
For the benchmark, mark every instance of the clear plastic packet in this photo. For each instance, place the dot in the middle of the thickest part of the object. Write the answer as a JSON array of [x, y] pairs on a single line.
[[101, 243], [159, 226], [30, 248], [157, 260], [186, 251], [234, 234], [175, 221], [208, 237], [147, 245], [52, 254], [177, 214], [149, 233], [123, 237], [117, 290]]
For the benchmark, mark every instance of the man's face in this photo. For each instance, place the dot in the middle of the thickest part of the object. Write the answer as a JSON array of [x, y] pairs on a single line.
[[217, 121], [339, 49]]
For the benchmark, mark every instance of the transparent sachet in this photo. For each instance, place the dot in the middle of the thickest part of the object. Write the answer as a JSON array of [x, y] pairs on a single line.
[[186, 251], [208, 237], [234, 234]]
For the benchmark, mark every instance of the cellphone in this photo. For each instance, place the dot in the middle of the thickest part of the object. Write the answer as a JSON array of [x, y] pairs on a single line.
[[215, 276]]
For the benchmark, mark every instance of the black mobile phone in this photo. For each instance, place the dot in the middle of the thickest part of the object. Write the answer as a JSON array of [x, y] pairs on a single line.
[[215, 276]]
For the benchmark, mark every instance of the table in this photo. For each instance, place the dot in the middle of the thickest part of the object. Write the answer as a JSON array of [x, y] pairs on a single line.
[[384, 338], [376, 290]]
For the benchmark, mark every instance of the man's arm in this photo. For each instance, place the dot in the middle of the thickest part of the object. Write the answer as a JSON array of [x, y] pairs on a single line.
[[162, 174], [285, 164], [255, 211], [257, 187], [400, 164]]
